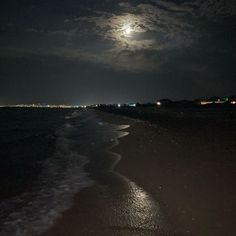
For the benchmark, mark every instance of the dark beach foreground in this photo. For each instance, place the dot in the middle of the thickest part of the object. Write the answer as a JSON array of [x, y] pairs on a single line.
[[171, 178]]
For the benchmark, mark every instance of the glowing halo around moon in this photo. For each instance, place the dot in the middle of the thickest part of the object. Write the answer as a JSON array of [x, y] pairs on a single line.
[[125, 31], [128, 30]]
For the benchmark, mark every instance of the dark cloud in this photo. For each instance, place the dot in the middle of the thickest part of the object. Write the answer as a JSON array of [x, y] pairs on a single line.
[[87, 51]]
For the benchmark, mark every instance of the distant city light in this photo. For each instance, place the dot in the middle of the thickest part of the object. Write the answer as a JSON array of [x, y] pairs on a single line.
[[158, 103], [205, 102], [132, 105], [41, 106], [233, 102], [119, 105], [219, 101]]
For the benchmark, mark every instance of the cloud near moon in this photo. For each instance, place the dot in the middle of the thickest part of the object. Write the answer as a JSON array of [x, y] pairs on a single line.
[[146, 27], [127, 31], [163, 43]]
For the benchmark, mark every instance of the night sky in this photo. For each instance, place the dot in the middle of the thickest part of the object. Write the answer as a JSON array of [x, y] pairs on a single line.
[[105, 51]]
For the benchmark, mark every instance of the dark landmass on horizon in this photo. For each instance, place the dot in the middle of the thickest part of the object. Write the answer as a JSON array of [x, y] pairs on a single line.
[[215, 100]]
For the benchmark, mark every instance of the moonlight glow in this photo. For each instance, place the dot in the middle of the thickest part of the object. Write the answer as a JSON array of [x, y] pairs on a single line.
[[128, 30]]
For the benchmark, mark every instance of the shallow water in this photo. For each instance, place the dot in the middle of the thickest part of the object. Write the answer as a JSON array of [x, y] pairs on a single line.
[[59, 169]]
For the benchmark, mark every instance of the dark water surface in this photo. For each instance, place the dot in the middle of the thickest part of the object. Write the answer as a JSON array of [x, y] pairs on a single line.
[[43, 153], [27, 138]]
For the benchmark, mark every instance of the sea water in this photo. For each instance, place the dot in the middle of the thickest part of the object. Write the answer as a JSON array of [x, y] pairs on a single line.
[[43, 154]]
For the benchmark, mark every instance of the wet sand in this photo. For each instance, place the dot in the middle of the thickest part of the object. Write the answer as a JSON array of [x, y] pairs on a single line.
[[168, 182]]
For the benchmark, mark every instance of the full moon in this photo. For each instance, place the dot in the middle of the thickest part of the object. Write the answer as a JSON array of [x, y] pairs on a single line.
[[128, 30]]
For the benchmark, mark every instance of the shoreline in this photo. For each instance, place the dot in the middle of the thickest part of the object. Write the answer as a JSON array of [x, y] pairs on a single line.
[[104, 208], [195, 195], [196, 192]]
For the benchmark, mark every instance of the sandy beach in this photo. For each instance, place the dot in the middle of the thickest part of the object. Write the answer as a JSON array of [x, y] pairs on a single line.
[[167, 181]]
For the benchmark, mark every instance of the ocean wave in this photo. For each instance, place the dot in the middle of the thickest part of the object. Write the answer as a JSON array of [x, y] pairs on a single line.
[[82, 138], [62, 176]]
